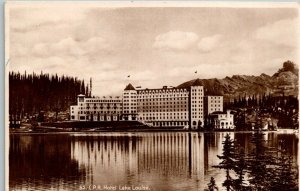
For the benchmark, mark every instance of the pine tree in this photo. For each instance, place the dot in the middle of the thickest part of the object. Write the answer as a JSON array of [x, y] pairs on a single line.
[[259, 164], [212, 185], [30, 94], [284, 176], [240, 170], [228, 162]]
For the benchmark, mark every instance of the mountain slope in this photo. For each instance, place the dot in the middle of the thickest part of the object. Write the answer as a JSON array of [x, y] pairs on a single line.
[[285, 81]]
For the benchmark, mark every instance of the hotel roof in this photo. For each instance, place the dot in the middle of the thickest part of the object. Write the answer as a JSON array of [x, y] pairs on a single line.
[[129, 87]]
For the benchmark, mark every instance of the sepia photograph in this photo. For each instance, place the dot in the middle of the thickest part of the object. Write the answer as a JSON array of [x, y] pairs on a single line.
[[152, 96]]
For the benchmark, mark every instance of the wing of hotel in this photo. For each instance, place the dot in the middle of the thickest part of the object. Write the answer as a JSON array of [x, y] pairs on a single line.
[[162, 107]]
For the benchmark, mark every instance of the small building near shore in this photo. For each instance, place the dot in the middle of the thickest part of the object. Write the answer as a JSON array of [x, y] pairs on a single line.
[[221, 120]]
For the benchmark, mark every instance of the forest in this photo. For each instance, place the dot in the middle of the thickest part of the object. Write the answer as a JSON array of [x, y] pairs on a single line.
[[281, 109], [262, 168], [30, 94]]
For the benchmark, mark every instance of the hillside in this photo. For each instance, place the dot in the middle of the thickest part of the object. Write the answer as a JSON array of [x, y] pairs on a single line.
[[285, 81], [30, 94]]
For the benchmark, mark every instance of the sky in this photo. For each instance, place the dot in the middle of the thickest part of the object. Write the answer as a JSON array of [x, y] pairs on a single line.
[[156, 46]]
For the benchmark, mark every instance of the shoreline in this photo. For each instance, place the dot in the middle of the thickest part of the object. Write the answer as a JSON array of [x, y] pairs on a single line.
[[53, 130], [110, 127]]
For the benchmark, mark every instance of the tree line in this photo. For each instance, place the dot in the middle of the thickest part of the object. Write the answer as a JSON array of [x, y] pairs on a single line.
[[282, 108], [30, 94], [263, 101], [262, 169]]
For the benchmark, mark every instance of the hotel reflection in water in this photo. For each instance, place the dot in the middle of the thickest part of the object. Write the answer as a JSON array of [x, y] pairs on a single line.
[[162, 161]]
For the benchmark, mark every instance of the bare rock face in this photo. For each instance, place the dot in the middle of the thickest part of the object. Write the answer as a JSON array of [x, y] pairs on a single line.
[[285, 81]]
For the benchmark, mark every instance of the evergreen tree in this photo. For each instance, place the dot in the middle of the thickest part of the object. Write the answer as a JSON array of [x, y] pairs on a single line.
[[240, 170], [30, 94], [212, 185], [259, 164], [267, 168], [284, 177], [228, 162]]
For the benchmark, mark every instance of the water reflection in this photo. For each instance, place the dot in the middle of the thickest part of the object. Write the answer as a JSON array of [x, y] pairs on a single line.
[[162, 161], [41, 162]]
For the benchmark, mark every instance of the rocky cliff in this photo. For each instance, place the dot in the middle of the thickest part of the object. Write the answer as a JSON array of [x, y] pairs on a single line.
[[285, 81]]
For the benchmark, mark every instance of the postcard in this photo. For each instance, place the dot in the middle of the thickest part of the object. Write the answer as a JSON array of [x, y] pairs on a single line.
[[151, 95]]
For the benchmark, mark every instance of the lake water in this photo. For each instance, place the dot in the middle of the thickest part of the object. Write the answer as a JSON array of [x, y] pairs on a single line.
[[112, 161]]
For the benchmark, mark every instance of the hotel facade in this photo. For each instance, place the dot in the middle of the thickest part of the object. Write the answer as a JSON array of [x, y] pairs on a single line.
[[96, 109], [163, 107], [221, 120]]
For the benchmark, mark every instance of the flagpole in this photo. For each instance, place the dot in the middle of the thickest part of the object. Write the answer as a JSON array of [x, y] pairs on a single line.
[[128, 78]]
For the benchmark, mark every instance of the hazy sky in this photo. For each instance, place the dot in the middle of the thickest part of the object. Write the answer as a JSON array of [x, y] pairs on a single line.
[[155, 46]]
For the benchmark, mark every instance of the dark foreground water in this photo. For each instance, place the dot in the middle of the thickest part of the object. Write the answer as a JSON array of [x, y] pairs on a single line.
[[128, 161]]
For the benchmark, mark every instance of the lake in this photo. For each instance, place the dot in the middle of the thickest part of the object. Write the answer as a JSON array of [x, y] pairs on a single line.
[[124, 161]]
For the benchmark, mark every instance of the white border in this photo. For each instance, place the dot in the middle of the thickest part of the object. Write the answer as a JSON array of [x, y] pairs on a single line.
[[120, 4]]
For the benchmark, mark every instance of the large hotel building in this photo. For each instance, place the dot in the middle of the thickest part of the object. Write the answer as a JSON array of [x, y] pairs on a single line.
[[164, 107]]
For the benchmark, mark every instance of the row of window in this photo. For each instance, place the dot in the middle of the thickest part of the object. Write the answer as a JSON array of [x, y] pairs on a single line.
[[129, 104], [163, 118], [99, 112], [162, 95], [215, 105], [199, 109], [103, 104], [151, 100], [163, 107], [197, 101], [163, 114], [108, 107], [144, 105], [126, 111], [148, 109], [215, 97], [195, 113], [161, 110], [162, 91], [215, 102], [197, 106], [195, 94], [197, 97], [170, 123], [103, 101], [126, 100], [132, 97], [199, 88], [129, 107], [163, 99], [132, 92], [100, 107], [197, 116], [226, 123], [225, 116], [164, 103]]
